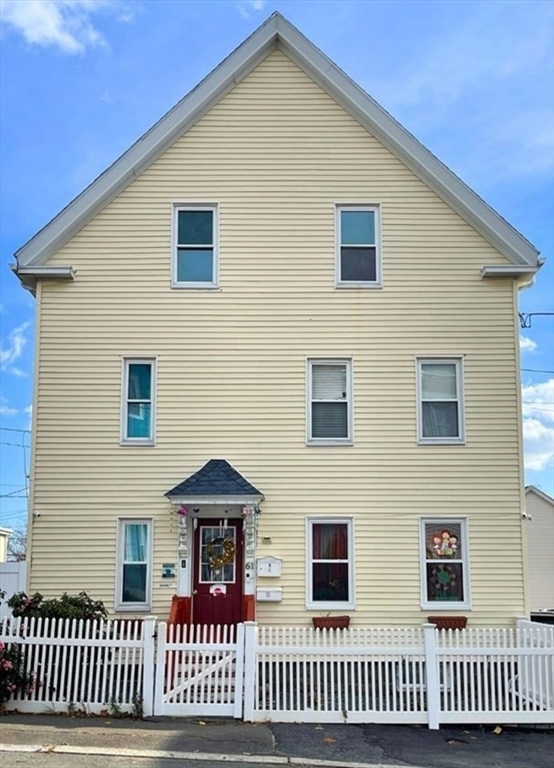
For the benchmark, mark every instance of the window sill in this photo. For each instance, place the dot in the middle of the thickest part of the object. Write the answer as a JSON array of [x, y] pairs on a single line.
[[133, 608], [137, 443], [445, 606], [329, 442], [441, 441], [330, 606], [195, 286], [359, 285]]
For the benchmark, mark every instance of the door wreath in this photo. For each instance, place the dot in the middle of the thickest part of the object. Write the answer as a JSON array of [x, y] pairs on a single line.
[[220, 551]]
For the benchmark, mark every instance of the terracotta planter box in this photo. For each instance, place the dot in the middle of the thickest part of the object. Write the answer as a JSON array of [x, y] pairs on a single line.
[[331, 622], [448, 622]]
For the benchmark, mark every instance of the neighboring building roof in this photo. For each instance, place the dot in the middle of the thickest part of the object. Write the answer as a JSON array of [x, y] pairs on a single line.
[[217, 478], [277, 31], [6, 531], [538, 492]]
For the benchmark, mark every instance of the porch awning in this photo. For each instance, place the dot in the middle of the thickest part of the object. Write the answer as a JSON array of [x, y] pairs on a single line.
[[217, 482]]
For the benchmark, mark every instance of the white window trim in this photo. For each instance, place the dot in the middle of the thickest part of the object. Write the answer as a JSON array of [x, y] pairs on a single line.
[[176, 207], [121, 523], [347, 361], [378, 282], [123, 438], [459, 363], [439, 605], [322, 605]]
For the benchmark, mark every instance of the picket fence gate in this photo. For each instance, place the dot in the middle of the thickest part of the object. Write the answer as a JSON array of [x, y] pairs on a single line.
[[360, 675]]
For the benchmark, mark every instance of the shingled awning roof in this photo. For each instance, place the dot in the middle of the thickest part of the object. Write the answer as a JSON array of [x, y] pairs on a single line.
[[217, 482]]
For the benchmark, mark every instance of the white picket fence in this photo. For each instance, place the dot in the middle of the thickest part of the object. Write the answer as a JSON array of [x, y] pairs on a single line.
[[80, 665], [420, 675], [336, 675]]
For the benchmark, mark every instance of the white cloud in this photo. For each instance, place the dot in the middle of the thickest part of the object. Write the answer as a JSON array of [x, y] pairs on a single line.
[[538, 400], [29, 411], [526, 344], [5, 409], [248, 8], [538, 424], [63, 24], [9, 354]]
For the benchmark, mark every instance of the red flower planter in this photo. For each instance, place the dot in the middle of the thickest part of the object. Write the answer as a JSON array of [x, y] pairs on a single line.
[[448, 622], [331, 622]]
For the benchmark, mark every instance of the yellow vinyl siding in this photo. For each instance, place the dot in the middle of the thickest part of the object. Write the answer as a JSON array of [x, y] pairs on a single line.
[[276, 154]]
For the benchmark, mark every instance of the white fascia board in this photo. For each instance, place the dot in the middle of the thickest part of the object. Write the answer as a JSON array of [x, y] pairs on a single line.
[[202, 500], [45, 273], [501, 270], [29, 275], [148, 147], [516, 248], [322, 70]]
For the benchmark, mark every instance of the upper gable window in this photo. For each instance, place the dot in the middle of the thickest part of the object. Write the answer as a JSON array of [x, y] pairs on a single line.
[[195, 257], [358, 248]]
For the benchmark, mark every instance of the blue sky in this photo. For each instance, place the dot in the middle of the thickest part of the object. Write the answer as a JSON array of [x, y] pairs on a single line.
[[82, 79]]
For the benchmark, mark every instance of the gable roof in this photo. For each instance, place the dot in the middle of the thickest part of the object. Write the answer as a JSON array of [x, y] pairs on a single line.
[[278, 32], [541, 494], [217, 478]]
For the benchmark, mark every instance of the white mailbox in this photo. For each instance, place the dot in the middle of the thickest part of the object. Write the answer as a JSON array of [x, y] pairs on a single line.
[[269, 566], [273, 595]]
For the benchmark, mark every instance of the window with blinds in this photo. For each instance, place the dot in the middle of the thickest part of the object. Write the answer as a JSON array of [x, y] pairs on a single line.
[[329, 407], [440, 402]]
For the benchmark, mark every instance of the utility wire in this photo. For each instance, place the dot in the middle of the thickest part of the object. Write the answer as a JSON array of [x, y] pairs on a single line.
[[536, 370], [13, 493], [11, 429], [15, 445]]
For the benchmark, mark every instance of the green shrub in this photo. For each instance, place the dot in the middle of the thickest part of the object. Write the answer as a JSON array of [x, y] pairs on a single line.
[[79, 606]]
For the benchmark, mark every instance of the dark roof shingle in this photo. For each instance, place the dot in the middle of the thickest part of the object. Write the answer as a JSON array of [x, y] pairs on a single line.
[[216, 478]]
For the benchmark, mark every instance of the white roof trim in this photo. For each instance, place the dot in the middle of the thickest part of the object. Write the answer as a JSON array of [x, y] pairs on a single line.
[[30, 275], [200, 500], [54, 273], [277, 30], [509, 270]]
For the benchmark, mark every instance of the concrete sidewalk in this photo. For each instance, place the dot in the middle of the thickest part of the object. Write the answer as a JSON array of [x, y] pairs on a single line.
[[367, 746]]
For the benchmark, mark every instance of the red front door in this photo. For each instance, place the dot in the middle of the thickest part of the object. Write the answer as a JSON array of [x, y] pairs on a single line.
[[217, 592]]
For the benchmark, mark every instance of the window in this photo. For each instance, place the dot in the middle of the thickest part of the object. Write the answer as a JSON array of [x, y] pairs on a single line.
[[358, 256], [134, 559], [444, 557], [440, 411], [330, 577], [195, 246], [217, 542], [138, 402], [329, 402]]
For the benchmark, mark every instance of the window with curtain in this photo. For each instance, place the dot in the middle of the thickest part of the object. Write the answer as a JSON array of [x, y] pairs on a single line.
[[440, 401], [134, 564], [195, 257], [329, 415], [358, 260], [445, 580], [330, 566], [138, 405]]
